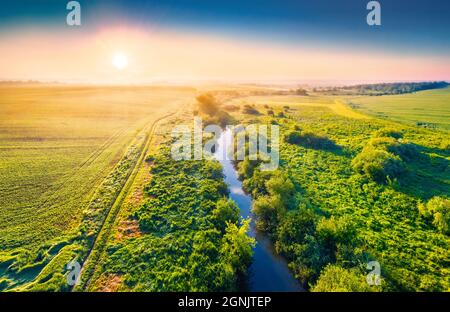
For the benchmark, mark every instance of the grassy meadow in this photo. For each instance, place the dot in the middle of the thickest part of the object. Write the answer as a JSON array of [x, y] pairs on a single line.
[[58, 146], [86, 173], [340, 218], [428, 108]]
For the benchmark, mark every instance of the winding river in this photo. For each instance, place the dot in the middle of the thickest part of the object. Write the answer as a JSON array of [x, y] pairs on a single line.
[[268, 272]]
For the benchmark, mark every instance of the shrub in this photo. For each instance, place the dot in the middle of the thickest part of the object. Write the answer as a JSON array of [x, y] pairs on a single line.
[[383, 143], [250, 110], [336, 279], [406, 151], [335, 231], [256, 185], [220, 118], [301, 91], [378, 165], [236, 247], [207, 104], [294, 228], [388, 132], [280, 185], [268, 210], [246, 168], [437, 209], [309, 140], [225, 211]]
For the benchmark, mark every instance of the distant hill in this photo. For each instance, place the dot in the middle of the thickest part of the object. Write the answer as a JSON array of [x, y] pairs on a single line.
[[19, 82], [385, 88]]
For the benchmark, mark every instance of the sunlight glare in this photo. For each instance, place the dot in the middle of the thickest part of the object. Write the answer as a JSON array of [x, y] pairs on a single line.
[[120, 61]]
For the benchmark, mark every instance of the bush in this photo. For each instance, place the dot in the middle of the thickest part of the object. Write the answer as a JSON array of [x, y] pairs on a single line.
[[301, 91], [246, 168], [335, 231], [406, 151], [378, 165], [236, 247], [309, 140], [388, 132], [383, 143], [268, 210], [336, 279], [280, 185], [207, 104], [226, 211], [437, 209], [294, 228], [250, 110], [221, 118], [256, 185]]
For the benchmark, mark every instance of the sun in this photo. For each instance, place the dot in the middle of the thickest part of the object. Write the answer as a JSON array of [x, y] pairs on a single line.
[[120, 61]]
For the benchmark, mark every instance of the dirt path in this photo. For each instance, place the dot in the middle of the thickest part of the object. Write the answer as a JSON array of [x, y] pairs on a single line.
[[99, 244]]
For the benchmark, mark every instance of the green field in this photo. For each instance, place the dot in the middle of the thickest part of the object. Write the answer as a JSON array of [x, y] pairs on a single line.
[[429, 108], [86, 173], [59, 146], [340, 218]]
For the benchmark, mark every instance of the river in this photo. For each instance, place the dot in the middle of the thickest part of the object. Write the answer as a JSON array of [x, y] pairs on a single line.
[[268, 271]]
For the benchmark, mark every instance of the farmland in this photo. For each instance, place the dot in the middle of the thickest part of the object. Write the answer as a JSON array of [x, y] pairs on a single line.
[[62, 151], [425, 108]]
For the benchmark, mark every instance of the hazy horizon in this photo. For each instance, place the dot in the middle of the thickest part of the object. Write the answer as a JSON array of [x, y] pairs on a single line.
[[139, 42]]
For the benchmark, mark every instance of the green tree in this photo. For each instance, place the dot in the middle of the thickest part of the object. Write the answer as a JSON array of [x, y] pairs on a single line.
[[268, 211], [336, 279], [226, 211], [294, 228], [236, 248], [207, 104], [280, 185], [437, 209], [379, 165]]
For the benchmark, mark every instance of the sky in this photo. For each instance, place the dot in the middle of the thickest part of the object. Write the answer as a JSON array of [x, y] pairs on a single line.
[[245, 40]]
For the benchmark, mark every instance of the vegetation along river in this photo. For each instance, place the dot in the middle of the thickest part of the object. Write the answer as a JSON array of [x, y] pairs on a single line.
[[269, 271]]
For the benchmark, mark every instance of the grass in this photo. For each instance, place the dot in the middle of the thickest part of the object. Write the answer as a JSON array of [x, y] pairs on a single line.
[[58, 144], [123, 226], [167, 238], [412, 253], [72, 180], [426, 108], [336, 105]]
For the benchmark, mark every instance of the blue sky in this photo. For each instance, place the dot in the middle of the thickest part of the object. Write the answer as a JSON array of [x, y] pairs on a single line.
[[412, 26], [233, 39]]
